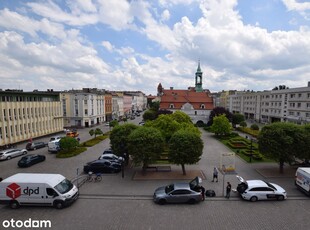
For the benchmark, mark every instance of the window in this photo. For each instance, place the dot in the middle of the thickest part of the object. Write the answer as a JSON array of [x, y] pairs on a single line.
[[171, 106], [50, 192], [86, 112], [298, 105], [202, 106], [292, 95], [299, 95]]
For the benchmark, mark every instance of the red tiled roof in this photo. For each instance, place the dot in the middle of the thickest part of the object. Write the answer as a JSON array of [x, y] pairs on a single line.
[[180, 97]]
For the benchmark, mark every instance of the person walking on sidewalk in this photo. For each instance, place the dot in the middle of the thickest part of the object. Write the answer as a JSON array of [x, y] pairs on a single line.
[[228, 190], [215, 174]]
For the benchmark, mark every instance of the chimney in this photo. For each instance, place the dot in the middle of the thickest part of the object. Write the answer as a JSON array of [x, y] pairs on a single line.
[[308, 83], [171, 88]]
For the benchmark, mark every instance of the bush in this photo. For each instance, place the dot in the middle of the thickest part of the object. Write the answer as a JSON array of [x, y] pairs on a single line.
[[254, 127], [243, 124], [71, 153]]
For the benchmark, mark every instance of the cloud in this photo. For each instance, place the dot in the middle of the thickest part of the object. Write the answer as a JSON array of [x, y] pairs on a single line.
[[301, 7], [165, 15], [296, 6], [107, 45]]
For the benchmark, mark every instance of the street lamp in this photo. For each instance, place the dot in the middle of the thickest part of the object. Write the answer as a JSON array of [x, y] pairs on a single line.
[[224, 173], [251, 150]]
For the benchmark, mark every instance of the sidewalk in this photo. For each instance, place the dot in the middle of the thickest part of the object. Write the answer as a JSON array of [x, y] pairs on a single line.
[[135, 183]]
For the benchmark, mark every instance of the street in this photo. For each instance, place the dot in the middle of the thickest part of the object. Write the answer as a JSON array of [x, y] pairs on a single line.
[[125, 203]]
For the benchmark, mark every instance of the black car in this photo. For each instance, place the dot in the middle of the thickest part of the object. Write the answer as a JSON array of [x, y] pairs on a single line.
[[30, 159], [35, 145], [102, 166]]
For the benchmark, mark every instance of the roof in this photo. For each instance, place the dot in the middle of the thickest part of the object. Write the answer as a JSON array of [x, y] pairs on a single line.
[[52, 179], [180, 97], [256, 183]]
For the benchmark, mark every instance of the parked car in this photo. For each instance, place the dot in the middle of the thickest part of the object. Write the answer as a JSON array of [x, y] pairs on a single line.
[[108, 151], [254, 190], [10, 153], [102, 166], [72, 134], [30, 159], [111, 157], [55, 138], [180, 192], [35, 145]]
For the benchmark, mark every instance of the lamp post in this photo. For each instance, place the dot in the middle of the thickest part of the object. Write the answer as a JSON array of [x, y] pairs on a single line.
[[251, 150], [224, 173]]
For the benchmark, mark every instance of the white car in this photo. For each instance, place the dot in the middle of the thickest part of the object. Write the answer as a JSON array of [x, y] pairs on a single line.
[[111, 157], [254, 190], [10, 153]]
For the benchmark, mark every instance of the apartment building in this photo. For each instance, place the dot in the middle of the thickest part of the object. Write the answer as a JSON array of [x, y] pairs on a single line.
[[27, 115], [291, 105], [83, 108]]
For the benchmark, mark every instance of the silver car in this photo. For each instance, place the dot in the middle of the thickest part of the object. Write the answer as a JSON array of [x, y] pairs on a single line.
[[181, 192], [254, 190], [10, 153], [111, 157]]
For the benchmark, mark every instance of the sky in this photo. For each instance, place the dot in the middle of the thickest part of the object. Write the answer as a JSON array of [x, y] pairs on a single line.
[[135, 45]]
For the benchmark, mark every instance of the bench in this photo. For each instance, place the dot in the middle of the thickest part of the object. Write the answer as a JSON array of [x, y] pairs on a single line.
[[159, 168]]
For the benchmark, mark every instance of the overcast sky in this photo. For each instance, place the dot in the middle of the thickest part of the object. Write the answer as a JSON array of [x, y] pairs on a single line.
[[135, 44]]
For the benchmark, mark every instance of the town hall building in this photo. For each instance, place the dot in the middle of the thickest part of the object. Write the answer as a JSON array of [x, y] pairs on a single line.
[[195, 101]]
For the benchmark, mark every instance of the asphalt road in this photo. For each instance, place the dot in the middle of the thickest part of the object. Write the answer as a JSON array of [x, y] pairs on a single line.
[[123, 203]]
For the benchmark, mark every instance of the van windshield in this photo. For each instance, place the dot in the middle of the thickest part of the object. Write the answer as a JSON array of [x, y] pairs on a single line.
[[64, 186]]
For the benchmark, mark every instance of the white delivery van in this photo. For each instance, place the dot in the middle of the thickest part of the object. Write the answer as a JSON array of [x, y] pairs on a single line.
[[302, 179], [37, 189], [54, 146]]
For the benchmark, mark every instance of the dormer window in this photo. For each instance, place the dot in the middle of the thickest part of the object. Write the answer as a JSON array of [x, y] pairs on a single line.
[[171, 106], [202, 106]]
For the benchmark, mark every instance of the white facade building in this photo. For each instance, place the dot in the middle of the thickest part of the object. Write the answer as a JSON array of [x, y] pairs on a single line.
[[291, 105]]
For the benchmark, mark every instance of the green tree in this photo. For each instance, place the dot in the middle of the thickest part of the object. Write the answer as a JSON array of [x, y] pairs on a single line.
[[119, 138], [221, 125], [236, 119], [166, 124], [181, 117], [113, 123], [243, 124], [282, 142], [145, 145], [219, 111], [68, 143], [185, 147], [149, 115], [91, 132], [155, 106], [254, 127], [98, 132]]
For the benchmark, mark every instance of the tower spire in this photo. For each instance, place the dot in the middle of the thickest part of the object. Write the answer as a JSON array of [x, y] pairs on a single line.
[[198, 79]]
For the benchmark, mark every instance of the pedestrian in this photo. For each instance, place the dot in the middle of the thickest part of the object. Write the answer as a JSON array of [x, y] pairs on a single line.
[[203, 192], [215, 174], [228, 189]]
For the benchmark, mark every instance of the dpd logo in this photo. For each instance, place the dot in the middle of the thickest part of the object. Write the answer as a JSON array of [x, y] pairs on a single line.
[[13, 191]]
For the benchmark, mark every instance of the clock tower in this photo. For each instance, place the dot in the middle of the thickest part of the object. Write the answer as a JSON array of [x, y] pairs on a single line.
[[198, 79]]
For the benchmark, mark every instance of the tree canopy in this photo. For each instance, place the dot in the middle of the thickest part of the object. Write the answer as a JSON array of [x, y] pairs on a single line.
[[221, 125], [283, 142], [68, 143], [237, 118], [145, 144], [119, 137], [219, 111], [185, 148]]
